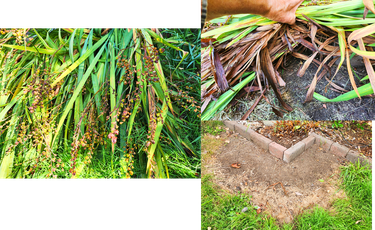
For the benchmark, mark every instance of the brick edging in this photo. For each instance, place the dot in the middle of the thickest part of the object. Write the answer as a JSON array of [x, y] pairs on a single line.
[[290, 154]]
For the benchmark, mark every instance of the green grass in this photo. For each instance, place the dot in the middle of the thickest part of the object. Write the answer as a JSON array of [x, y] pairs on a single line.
[[221, 210], [212, 127]]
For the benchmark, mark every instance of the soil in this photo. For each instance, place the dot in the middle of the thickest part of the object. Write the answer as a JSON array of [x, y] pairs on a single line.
[[296, 88], [294, 94], [286, 139], [350, 135], [309, 180]]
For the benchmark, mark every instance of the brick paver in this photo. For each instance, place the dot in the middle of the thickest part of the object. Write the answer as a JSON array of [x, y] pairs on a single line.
[[230, 124], [260, 140], [322, 142], [290, 154], [339, 150], [243, 130], [294, 151], [354, 156], [309, 141], [277, 150]]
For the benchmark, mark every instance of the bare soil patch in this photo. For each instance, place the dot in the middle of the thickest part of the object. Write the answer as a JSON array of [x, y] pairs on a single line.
[[309, 180]]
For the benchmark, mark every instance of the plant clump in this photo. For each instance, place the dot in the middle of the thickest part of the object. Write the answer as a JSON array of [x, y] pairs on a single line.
[[87, 103], [244, 55]]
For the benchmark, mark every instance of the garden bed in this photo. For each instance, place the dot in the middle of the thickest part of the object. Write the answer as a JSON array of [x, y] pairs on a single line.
[[355, 135]]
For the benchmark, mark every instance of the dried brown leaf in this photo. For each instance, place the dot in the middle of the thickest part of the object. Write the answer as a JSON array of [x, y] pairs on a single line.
[[237, 71], [205, 42], [313, 30], [369, 4], [335, 86], [290, 47], [218, 71], [361, 33], [279, 79], [365, 13], [311, 90], [289, 34], [369, 68], [259, 72], [205, 103], [351, 77], [269, 72], [306, 65], [247, 114], [302, 71], [277, 112], [250, 89], [236, 165], [307, 44]]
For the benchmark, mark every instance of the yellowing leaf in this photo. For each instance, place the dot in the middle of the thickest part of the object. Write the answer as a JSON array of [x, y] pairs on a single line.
[[370, 5]]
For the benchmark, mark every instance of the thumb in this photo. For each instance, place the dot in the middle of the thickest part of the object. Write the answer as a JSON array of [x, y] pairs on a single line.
[[291, 18]]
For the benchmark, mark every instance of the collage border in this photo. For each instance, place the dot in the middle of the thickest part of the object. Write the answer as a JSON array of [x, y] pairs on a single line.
[[373, 150], [199, 204]]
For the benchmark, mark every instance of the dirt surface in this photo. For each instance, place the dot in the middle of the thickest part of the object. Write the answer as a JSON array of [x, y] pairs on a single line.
[[286, 139], [311, 179], [296, 88], [294, 94]]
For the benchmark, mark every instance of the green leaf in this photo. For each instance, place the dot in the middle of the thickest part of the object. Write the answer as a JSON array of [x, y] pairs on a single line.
[[71, 45], [42, 40], [76, 92], [225, 98], [159, 127], [34, 49], [81, 59], [363, 91]]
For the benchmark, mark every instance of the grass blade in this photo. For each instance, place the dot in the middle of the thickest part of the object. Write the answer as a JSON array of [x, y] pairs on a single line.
[[76, 93], [81, 59]]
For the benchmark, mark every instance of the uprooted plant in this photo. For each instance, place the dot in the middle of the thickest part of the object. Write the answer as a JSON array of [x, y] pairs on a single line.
[[242, 54]]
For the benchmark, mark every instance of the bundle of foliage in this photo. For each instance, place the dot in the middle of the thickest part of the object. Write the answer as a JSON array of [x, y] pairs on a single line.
[[244, 52], [93, 103]]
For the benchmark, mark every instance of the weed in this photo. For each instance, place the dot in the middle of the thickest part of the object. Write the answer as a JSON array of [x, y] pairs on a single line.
[[337, 124], [212, 127]]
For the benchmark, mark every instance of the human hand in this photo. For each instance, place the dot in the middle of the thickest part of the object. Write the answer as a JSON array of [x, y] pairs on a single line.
[[283, 11]]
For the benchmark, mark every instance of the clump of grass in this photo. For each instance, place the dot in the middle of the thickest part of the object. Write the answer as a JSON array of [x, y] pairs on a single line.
[[221, 210], [352, 213], [212, 127], [76, 101]]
